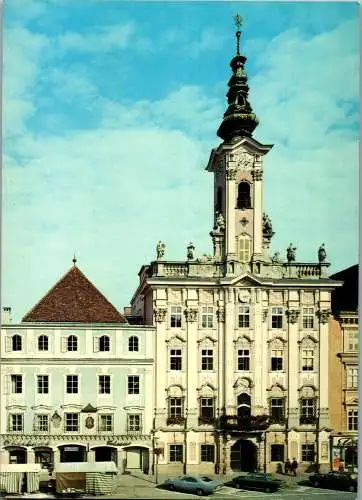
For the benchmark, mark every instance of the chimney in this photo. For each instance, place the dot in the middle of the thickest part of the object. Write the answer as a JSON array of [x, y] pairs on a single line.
[[6, 316]]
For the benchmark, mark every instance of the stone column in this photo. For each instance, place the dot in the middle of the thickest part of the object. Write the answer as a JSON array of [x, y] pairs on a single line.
[[230, 242], [258, 209], [229, 351]]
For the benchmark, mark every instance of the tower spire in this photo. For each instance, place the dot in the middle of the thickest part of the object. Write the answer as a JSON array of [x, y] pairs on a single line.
[[239, 119]]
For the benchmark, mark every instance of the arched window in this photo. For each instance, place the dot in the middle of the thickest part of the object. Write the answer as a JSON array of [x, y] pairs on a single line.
[[244, 248], [43, 343], [104, 343], [244, 199], [244, 405], [219, 199], [72, 343], [16, 343], [133, 344]]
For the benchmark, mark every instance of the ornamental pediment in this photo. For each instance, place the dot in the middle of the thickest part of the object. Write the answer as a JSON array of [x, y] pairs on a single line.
[[246, 280]]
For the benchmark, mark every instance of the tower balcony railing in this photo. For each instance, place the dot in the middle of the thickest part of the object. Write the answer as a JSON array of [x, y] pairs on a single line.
[[306, 270]]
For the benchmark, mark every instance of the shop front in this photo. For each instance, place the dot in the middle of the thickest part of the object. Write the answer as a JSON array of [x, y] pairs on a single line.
[[344, 451]]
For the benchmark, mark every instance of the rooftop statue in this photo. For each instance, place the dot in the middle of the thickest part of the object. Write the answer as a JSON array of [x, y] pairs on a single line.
[[190, 252], [322, 254], [291, 253], [160, 249]]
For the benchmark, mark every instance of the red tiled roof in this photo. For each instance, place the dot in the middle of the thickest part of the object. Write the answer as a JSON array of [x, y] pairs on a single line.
[[74, 299]]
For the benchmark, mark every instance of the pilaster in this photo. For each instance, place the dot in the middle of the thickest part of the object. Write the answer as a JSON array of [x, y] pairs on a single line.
[[229, 349], [258, 208], [230, 212]]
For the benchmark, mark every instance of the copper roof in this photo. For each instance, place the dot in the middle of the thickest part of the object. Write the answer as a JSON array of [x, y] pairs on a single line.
[[74, 299]]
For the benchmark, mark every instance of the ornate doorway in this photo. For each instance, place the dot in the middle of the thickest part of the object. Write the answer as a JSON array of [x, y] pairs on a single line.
[[244, 456]]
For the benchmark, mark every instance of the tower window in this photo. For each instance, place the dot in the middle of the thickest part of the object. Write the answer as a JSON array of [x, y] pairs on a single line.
[[244, 248], [244, 199], [219, 200]]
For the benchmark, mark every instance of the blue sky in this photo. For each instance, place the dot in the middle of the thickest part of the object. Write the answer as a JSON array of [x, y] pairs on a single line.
[[110, 112]]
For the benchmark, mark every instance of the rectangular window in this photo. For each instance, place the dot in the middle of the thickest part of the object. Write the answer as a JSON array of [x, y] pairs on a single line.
[[72, 384], [244, 248], [16, 384], [106, 423], [43, 384], [176, 453], [175, 407], [134, 423], [308, 452], [276, 360], [207, 359], [307, 411], [277, 453], [244, 317], [277, 410], [352, 423], [308, 317], [41, 423], [175, 359], [352, 378], [133, 384], [16, 423], [176, 312], [352, 340], [207, 408], [104, 384], [72, 422], [307, 360], [277, 317], [207, 453], [243, 359], [207, 317]]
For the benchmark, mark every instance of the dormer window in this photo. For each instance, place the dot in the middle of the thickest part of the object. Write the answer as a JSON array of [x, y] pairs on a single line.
[[244, 198]]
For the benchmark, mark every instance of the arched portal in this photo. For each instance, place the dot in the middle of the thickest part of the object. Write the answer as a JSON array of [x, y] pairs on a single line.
[[44, 456], [73, 453], [244, 456], [137, 457], [17, 454], [105, 454]]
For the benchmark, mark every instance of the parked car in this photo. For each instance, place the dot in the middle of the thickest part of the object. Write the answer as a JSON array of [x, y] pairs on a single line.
[[201, 485], [335, 481], [258, 481]]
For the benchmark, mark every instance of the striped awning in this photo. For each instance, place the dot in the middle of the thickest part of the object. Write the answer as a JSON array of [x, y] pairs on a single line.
[[11, 482]]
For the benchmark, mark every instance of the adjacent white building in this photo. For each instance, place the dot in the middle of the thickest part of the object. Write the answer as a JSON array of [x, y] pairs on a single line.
[[241, 350], [76, 391]]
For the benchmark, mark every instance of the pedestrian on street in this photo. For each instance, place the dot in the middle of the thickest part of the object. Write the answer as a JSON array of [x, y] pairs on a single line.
[[294, 467], [287, 466]]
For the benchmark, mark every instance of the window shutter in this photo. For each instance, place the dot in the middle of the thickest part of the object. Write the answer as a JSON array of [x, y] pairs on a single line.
[[64, 344], [95, 344]]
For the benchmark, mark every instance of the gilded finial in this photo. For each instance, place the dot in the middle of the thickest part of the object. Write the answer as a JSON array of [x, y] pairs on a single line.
[[238, 23]]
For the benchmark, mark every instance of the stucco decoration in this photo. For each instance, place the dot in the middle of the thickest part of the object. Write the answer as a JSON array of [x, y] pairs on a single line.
[[160, 314], [257, 174], [206, 391], [231, 174], [174, 296], [175, 391], [191, 315], [56, 419], [244, 296], [276, 297], [220, 313], [245, 161], [323, 315], [89, 422], [243, 384], [206, 297], [292, 315], [308, 297], [265, 314]]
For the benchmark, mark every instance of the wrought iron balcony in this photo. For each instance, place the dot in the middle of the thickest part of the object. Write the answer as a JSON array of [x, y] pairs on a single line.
[[177, 420], [308, 420], [248, 423], [277, 420], [203, 420]]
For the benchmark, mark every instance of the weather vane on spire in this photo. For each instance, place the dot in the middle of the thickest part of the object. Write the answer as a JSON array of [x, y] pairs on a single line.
[[238, 23]]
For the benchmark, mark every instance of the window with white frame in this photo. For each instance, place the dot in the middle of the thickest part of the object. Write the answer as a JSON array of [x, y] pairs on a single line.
[[277, 359], [175, 408], [133, 384], [175, 359], [244, 317], [133, 344], [307, 452], [307, 317], [43, 343], [244, 359], [352, 420], [72, 384], [277, 318], [16, 343], [207, 453], [105, 422], [277, 409], [72, 343], [207, 317], [104, 384], [42, 384], [307, 360], [351, 340], [207, 408], [104, 343], [175, 453], [307, 410], [41, 423], [176, 316], [207, 359], [71, 422], [16, 384], [244, 245], [352, 378], [16, 422], [134, 422]]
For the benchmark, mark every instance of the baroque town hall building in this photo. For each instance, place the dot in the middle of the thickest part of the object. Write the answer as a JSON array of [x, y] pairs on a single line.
[[241, 353]]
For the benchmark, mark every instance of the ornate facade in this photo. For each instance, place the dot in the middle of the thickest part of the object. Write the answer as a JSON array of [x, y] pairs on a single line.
[[241, 336]]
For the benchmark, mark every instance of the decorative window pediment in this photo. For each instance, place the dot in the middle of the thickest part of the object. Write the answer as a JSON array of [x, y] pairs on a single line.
[[206, 391], [242, 340], [175, 391], [307, 391], [243, 384], [206, 342], [277, 390], [175, 341], [277, 342], [308, 342]]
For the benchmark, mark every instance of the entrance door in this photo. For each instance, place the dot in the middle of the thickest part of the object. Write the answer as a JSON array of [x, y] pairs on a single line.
[[103, 454], [243, 456], [72, 453], [133, 458]]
